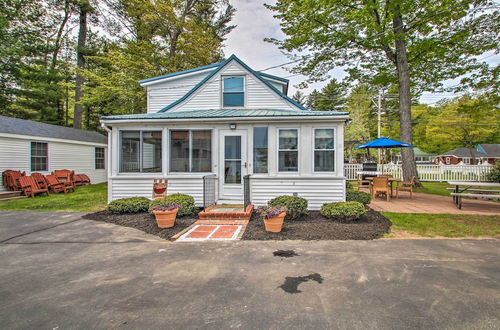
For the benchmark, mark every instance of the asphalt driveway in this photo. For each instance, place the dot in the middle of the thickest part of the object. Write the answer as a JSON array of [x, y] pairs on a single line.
[[59, 271]]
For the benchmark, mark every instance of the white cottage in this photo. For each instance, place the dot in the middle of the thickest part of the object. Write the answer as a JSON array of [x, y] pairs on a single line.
[[32, 146], [222, 133]]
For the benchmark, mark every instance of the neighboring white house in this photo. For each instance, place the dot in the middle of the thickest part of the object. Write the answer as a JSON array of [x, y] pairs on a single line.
[[227, 120], [32, 146]]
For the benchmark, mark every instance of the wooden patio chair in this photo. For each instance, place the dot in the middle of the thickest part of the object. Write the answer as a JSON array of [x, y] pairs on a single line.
[[55, 185], [85, 178], [67, 177], [363, 183], [40, 179], [380, 185], [12, 179], [406, 186], [30, 187], [81, 180]]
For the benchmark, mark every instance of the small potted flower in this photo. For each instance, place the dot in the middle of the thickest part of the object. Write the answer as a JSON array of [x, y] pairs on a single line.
[[165, 214], [273, 217]]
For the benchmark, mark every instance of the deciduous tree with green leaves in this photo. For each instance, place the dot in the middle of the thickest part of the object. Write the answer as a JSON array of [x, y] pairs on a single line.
[[415, 44]]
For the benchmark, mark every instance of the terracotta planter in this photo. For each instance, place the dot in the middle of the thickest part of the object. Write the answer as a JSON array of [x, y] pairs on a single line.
[[275, 224], [165, 219]]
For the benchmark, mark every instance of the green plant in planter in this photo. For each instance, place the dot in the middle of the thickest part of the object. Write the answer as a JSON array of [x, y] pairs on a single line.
[[358, 196], [343, 211], [185, 202], [129, 205], [296, 206]]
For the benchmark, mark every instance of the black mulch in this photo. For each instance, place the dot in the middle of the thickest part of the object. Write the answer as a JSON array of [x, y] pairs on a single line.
[[316, 227], [143, 221], [313, 226]]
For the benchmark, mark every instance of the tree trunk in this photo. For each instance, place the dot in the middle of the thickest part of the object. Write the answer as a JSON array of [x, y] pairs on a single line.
[[80, 64], [408, 159]]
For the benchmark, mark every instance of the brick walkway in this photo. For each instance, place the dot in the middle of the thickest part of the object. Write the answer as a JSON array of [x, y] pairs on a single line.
[[436, 204]]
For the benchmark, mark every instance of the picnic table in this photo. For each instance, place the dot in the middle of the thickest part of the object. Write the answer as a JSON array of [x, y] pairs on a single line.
[[391, 181], [470, 189]]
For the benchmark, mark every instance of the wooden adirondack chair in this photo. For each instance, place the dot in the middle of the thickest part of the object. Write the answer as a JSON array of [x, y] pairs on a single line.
[[40, 179], [55, 185], [12, 179], [30, 187], [84, 177], [67, 177], [406, 186]]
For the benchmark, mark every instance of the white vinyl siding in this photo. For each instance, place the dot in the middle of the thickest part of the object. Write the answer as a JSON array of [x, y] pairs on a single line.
[[15, 155], [257, 94], [164, 93]]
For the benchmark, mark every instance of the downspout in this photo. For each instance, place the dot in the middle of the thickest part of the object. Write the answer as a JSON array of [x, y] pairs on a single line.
[[109, 162]]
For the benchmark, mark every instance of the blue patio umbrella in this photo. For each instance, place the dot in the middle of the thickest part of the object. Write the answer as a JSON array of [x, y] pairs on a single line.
[[383, 143]]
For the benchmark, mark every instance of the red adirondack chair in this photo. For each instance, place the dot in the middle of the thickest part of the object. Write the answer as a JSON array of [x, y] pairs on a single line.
[[81, 179], [30, 187], [67, 177], [55, 185], [40, 179], [12, 179]]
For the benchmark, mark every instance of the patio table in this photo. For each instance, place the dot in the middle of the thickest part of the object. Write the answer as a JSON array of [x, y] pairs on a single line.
[[391, 181], [463, 186]]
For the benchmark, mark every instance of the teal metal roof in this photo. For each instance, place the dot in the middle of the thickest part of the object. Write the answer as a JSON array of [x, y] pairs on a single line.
[[227, 113]]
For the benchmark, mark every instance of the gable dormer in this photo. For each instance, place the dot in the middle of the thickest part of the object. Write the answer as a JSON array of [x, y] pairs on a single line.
[[230, 84]]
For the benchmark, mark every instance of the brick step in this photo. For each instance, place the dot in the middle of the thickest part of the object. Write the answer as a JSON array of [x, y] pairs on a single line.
[[217, 212]]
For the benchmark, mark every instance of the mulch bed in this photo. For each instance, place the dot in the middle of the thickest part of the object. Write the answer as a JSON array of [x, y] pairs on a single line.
[[313, 226], [316, 227], [143, 221]]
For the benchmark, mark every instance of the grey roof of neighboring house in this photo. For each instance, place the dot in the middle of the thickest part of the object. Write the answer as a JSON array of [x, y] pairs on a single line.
[[35, 128], [463, 152], [492, 150]]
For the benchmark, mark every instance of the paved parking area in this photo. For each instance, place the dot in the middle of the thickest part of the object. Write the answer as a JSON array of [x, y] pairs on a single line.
[[60, 272]]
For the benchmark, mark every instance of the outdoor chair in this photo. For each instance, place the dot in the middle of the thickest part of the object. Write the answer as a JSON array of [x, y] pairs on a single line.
[[12, 179], [67, 177], [363, 182], [40, 179], [30, 187], [55, 185], [380, 185], [81, 180], [406, 186]]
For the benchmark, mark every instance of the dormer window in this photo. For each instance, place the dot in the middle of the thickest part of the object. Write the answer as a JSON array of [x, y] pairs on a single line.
[[233, 94]]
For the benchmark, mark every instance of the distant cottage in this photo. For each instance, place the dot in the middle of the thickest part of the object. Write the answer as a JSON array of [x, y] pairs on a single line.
[[32, 146], [482, 154]]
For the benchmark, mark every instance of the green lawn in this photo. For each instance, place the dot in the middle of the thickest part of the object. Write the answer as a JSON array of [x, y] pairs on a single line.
[[436, 188], [85, 199], [445, 225]]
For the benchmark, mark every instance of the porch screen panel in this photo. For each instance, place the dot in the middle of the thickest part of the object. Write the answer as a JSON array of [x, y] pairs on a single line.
[[130, 151], [151, 151], [179, 151], [260, 147], [288, 154], [201, 151], [324, 150]]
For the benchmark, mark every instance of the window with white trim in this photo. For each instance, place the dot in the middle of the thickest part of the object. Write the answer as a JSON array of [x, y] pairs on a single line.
[[190, 151], [39, 156], [99, 158], [288, 150], [324, 150], [141, 151], [233, 94]]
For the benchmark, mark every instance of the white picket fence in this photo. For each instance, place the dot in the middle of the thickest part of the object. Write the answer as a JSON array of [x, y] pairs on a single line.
[[428, 172]]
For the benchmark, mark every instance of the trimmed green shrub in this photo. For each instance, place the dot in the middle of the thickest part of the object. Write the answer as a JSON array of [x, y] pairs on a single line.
[[186, 203], [358, 196], [129, 205], [297, 206], [348, 185], [343, 211], [494, 174]]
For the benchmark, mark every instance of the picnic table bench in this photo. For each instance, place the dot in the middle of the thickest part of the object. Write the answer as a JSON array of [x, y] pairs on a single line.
[[464, 189]]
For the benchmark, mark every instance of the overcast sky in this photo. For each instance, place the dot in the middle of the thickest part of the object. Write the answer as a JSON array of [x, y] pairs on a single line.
[[255, 22]]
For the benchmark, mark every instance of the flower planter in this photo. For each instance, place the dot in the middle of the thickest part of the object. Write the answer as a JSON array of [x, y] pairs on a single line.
[[275, 224], [165, 219]]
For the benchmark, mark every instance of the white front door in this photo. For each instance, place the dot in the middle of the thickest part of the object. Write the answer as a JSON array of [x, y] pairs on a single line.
[[233, 164]]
